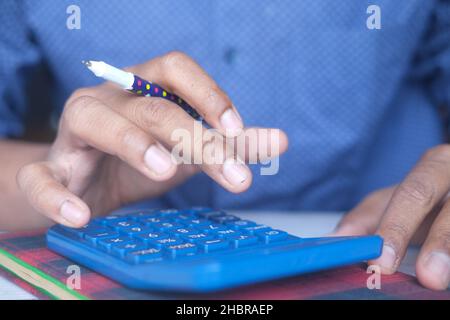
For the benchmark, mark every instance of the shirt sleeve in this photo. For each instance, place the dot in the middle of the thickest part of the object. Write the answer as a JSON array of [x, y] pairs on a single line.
[[18, 57], [433, 59]]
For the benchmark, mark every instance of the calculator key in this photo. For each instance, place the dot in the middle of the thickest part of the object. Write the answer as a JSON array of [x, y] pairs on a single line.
[[107, 243], [181, 249], [152, 219], [198, 210], [167, 241], [184, 231], [82, 230], [213, 245], [167, 212], [209, 214], [134, 230], [151, 236], [145, 255], [256, 228], [97, 234], [243, 240], [196, 222], [271, 235], [107, 219], [195, 237], [240, 224], [182, 217], [121, 224], [212, 227], [141, 214], [223, 219], [122, 249], [227, 233], [166, 226]]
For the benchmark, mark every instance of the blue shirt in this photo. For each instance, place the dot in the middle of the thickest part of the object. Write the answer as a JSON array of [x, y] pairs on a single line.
[[359, 106]]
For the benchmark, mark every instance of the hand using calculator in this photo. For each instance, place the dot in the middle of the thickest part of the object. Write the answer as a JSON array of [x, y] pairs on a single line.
[[113, 147]]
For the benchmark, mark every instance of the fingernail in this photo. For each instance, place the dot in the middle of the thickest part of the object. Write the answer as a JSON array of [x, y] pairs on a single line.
[[234, 172], [231, 122], [157, 160], [71, 212], [438, 263], [387, 259]]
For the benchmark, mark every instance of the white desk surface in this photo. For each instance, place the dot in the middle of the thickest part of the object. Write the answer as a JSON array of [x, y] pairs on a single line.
[[303, 224]]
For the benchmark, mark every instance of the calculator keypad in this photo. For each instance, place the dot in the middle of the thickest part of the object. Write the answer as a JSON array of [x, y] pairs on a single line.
[[153, 235]]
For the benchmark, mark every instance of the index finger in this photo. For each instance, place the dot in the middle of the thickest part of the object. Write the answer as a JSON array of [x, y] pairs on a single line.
[[423, 189], [182, 76]]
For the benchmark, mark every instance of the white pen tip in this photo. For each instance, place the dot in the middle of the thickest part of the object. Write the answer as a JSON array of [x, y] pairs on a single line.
[[87, 63]]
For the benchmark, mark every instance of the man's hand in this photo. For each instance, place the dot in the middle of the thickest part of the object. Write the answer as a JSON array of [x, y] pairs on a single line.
[[113, 147], [415, 211]]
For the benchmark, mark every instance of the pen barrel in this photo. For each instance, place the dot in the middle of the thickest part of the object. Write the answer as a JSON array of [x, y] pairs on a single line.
[[146, 88]]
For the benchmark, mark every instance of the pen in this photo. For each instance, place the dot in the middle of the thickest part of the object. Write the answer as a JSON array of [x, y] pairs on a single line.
[[137, 85]]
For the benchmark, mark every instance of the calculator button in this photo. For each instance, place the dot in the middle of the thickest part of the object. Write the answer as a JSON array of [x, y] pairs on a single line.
[[199, 210], [134, 230], [240, 224], [167, 212], [213, 245], [196, 222], [166, 226], [271, 235], [121, 224], [82, 230], [213, 227], [141, 214], [151, 236], [121, 249], [153, 219], [145, 255], [182, 217], [197, 236], [107, 219], [181, 249], [223, 219], [256, 228], [95, 235], [167, 241], [209, 214], [184, 231], [243, 240], [227, 233], [107, 243]]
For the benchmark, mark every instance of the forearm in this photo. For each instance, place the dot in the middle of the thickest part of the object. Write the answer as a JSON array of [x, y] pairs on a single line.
[[15, 212]]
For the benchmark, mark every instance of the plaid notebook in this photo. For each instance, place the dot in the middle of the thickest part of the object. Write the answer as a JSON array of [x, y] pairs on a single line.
[[28, 260]]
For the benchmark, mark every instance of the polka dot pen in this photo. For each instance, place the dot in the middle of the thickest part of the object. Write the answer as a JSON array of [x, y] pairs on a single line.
[[134, 84]]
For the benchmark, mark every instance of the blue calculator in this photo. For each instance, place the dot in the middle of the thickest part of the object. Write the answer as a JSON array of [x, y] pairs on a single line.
[[199, 249]]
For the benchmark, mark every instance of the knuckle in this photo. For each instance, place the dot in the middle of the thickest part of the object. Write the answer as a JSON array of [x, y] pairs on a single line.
[[440, 235], [25, 173], [217, 100], [38, 192], [128, 136], [399, 229], [419, 191], [77, 110], [151, 112], [174, 58], [442, 150], [82, 92]]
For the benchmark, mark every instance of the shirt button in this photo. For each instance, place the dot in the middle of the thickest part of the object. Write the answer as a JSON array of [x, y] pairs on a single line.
[[229, 55]]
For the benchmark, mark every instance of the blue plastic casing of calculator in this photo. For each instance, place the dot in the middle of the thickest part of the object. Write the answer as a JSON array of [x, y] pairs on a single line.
[[196, 270]]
